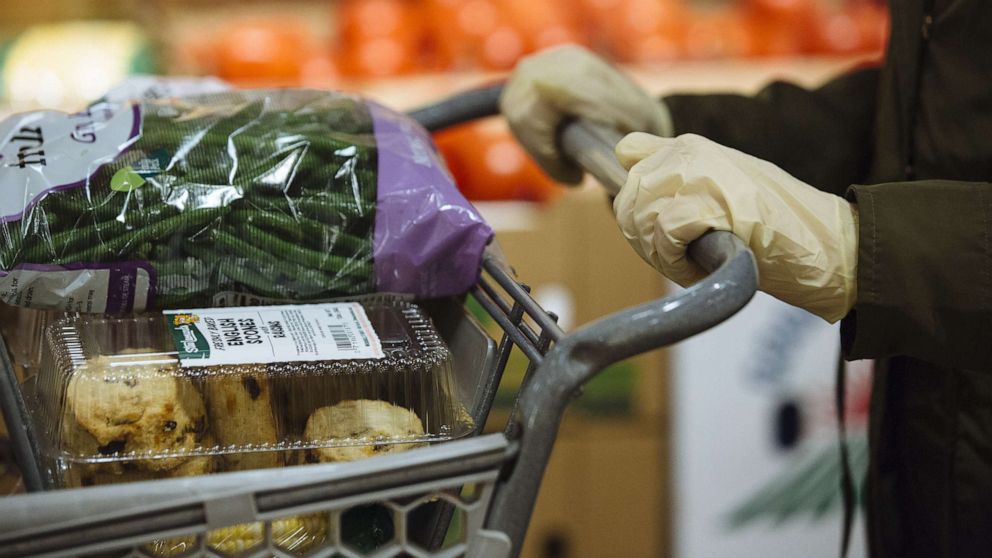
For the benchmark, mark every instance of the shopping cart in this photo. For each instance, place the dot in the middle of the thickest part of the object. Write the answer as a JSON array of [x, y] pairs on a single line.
[[470, 497]]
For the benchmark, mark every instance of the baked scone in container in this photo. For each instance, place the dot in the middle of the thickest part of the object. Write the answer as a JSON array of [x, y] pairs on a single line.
[[196, 391]]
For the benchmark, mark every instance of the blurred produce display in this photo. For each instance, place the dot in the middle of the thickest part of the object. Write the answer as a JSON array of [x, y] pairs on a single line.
[[70, 64], [362, 44], [489, 165], [383, 38]]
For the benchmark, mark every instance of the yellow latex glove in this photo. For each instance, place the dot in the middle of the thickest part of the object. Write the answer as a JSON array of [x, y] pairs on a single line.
[[804, 240], [566, 81]]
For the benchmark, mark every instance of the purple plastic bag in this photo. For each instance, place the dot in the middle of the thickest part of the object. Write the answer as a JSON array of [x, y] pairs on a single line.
[[428, 238]]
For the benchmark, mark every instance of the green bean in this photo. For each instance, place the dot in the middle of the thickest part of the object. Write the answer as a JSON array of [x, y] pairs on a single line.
[[181, 284], [184, 266], [11, 243], [316, 213], [251, 278], [256, 253], [166, 227], [293, 229], [239, 247], [74, 239], [297, 254], [304, 286], [144, 251]]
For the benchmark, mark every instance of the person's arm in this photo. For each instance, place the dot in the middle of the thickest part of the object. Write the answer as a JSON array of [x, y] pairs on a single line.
[[907, 265], [924, 273], [822, 136]]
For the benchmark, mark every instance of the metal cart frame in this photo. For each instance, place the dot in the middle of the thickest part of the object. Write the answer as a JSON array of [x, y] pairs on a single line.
[[424, 488]]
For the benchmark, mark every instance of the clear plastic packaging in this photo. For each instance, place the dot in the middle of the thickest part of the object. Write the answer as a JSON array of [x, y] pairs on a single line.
[[287, 195], [122, 399], [23, 332]]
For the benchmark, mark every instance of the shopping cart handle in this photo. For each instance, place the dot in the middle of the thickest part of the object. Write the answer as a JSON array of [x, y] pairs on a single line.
[[459, 108], [591, 146], [588, 144], [585, 352]]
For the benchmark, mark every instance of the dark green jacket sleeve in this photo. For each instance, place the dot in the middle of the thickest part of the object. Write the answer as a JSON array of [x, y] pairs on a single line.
[[924, 273], [822, 136]]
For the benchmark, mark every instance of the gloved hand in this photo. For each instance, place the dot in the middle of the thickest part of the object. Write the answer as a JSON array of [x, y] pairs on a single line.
[[571, 81], [804, 240]]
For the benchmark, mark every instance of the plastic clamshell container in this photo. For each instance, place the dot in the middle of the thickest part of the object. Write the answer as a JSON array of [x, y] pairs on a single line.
[[23, 330], [116, 403]]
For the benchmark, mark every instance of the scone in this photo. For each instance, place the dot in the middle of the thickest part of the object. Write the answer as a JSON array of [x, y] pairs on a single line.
[[115, 472], [362, 419], [137, 407], [80, 443], [240, 410]]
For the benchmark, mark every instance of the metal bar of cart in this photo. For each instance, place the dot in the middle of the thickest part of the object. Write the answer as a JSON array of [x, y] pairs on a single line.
[[578, 357], [64, 521], [461, 108], [19, 426]]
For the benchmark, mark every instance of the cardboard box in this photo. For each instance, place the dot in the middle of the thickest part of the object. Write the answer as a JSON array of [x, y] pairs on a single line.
[[605, 493]]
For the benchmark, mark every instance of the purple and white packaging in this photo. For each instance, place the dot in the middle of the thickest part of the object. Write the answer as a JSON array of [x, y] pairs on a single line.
[[427, 239]]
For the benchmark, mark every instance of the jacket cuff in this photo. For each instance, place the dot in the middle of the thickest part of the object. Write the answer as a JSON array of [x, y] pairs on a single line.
[[924, 267], [853, 346]]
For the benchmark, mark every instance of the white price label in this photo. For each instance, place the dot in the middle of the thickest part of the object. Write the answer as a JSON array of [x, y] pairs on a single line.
[[268, 334]]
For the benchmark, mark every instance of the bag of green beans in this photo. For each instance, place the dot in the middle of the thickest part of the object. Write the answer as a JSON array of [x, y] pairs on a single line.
[[226, 198]]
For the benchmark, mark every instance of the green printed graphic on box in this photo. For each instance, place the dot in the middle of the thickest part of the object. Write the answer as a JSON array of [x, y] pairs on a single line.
[[190, 343]]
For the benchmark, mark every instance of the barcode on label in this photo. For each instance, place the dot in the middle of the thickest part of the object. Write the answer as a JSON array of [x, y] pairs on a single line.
[[342, 337]]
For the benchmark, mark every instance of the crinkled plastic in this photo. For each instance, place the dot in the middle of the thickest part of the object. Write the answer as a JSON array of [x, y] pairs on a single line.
[[227, 198]]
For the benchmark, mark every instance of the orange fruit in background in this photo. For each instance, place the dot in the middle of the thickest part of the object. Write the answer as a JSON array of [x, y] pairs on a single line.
[[873, 20], [554, 35], [378, 38], [859, 28], [769, 38], [320, 71], [503, 47], [717, 34], [379, 57], [494, 35], [783, 10], [782, 27], [544, 23], [457, 31], [645, 30], [488, 164], [263, 51], [362, 19], [598, 17], [443, 40]]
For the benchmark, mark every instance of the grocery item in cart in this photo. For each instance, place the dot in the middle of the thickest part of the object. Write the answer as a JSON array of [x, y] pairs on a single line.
[[23, 331], [242, 414], [365, 528], [193, 391], [297, 534], [361, 418], [226, 197]]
